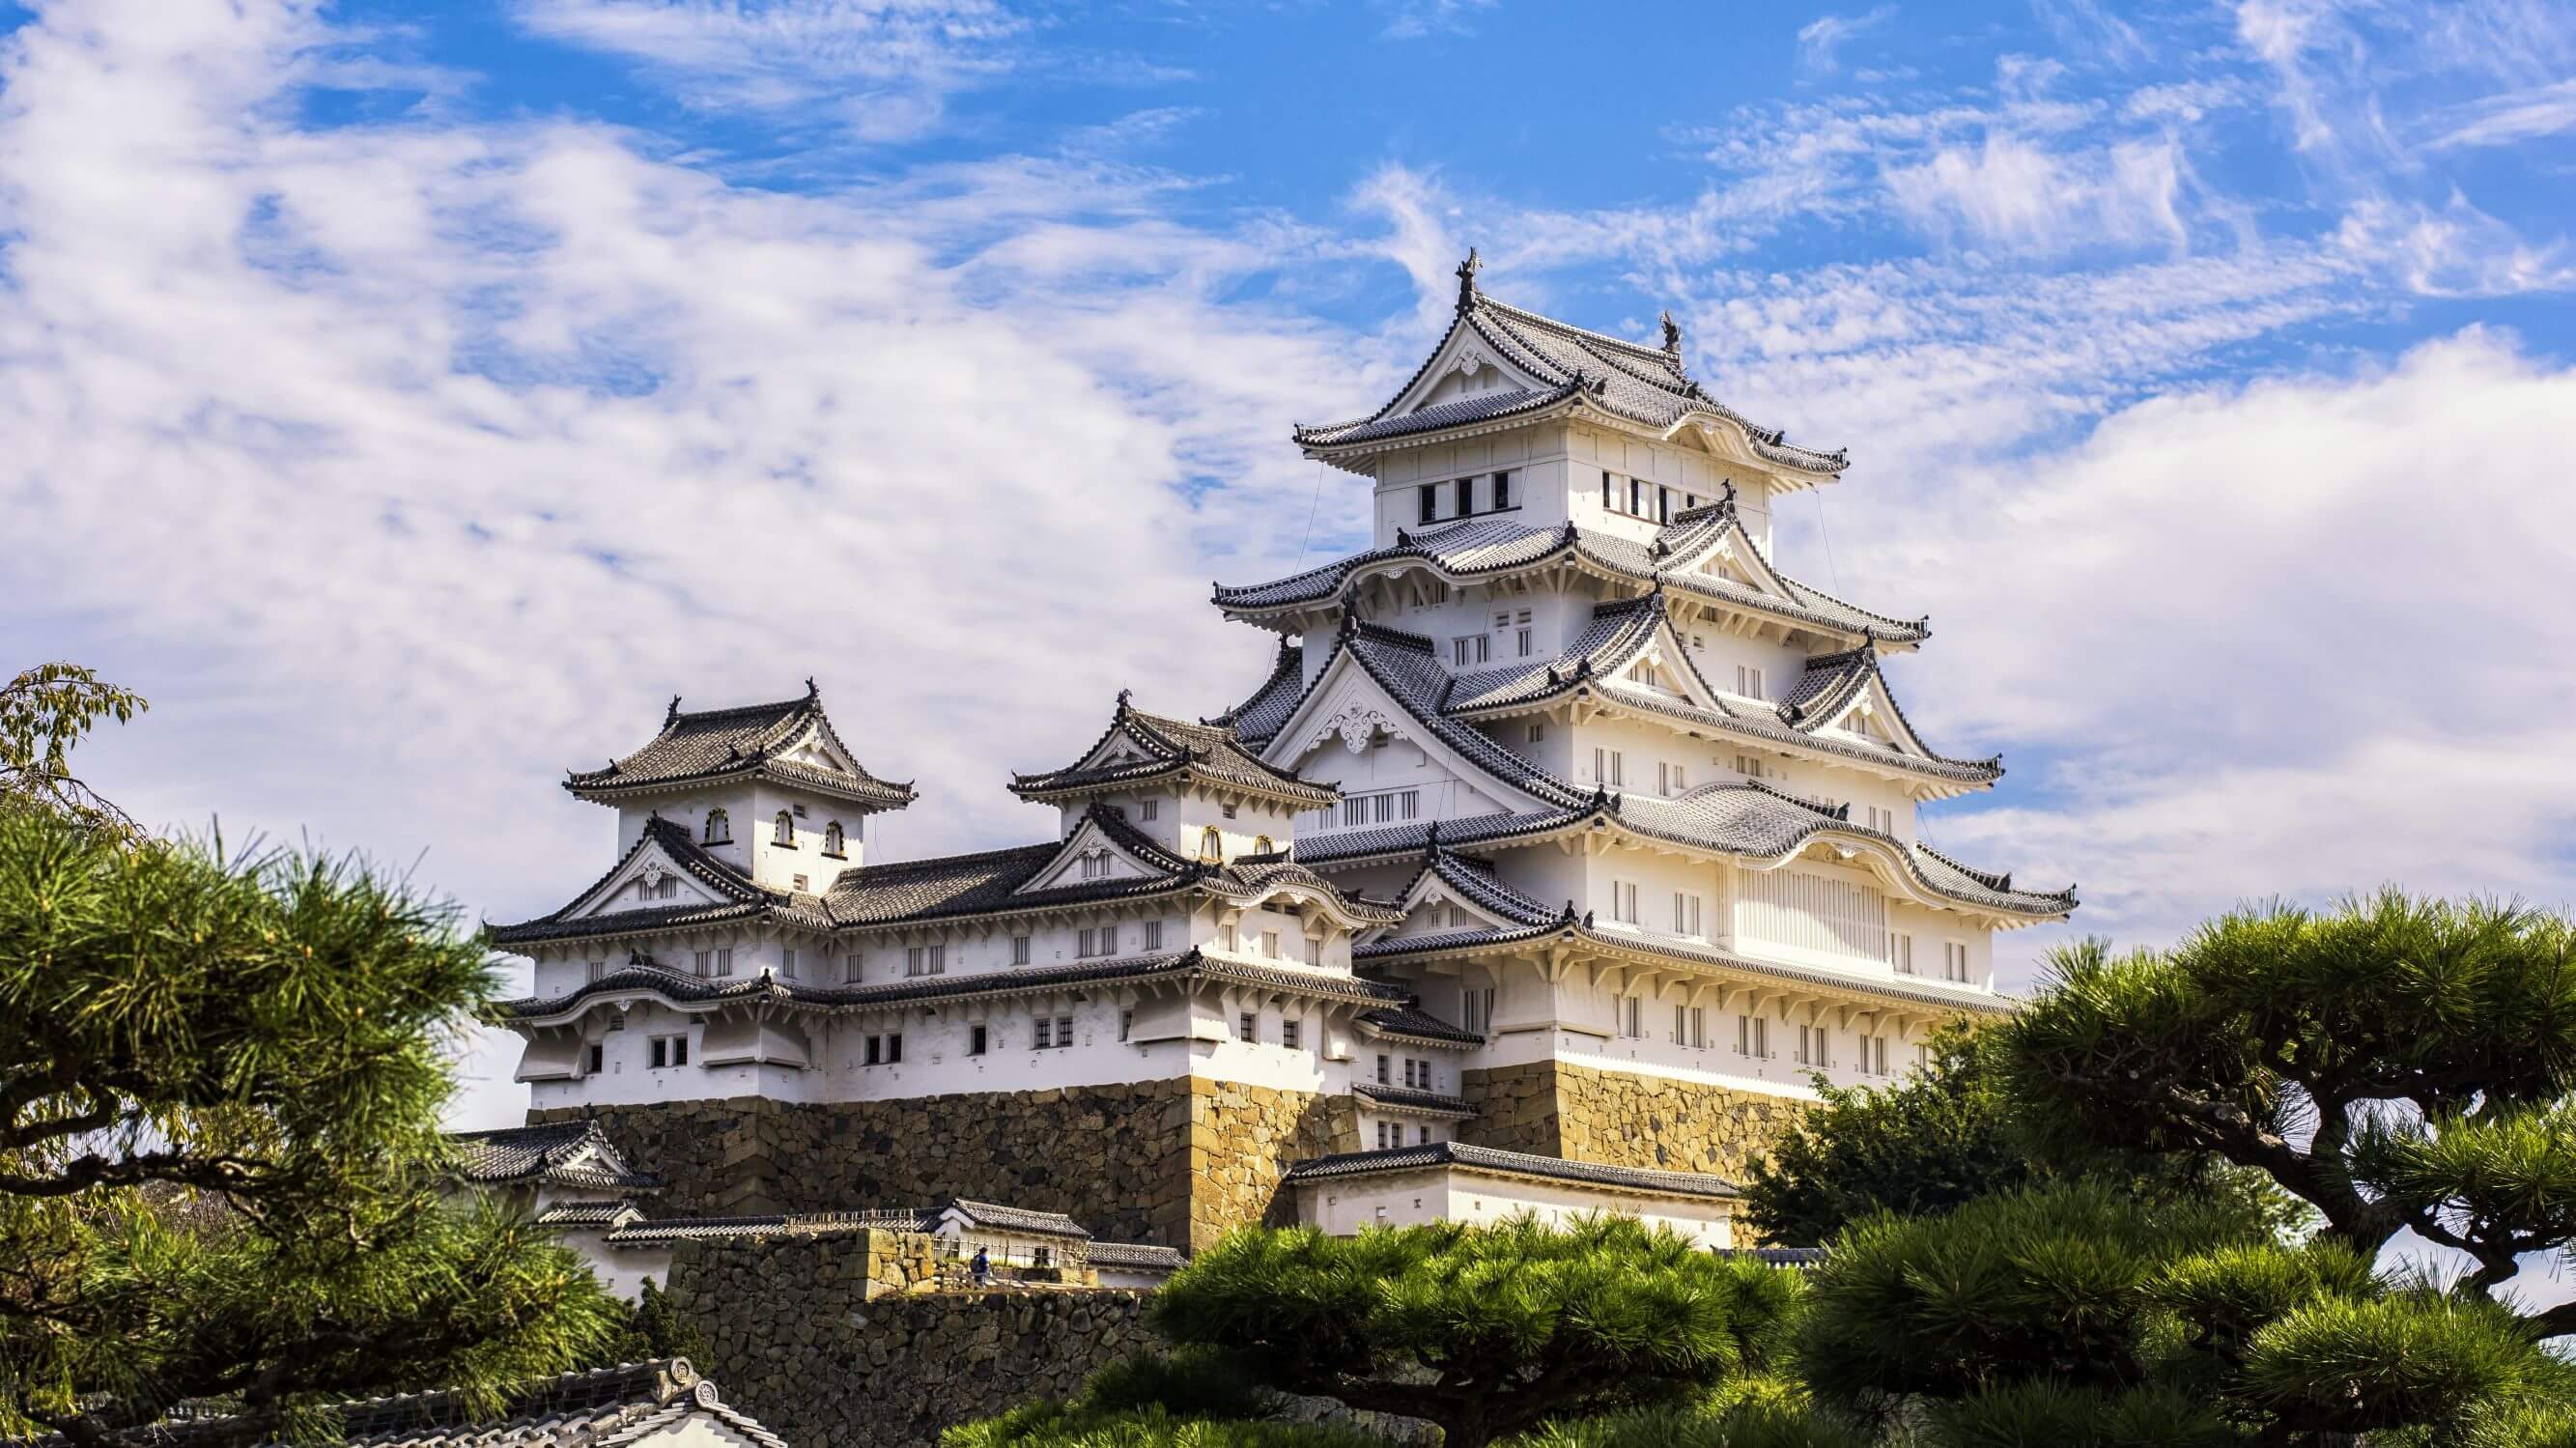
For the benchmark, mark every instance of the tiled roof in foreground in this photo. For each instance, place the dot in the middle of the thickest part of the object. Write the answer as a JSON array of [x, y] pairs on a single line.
[[600, 1408], [560, 1154], [1511, 1163]]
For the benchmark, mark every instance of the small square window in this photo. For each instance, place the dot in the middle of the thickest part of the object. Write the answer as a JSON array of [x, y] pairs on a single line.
[[1248, 1027], [1288, 1033], [978, 1040]]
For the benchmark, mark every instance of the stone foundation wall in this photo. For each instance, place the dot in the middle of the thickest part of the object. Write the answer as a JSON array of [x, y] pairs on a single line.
[[1117, 1159], [1581, 1113], [795, 1338], [1179, 1162]]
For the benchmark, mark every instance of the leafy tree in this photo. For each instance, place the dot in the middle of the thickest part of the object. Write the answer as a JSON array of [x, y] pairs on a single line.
[[2397, 1064], [44, 711], [1950, 1133], [1484, 1331], [654, 1328], [220, 1159]]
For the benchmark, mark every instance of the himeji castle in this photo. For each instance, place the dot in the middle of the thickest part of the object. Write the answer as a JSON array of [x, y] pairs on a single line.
[[1567, 838]]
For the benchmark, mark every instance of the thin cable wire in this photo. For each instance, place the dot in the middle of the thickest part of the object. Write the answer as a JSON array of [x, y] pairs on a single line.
[[1311, 504]]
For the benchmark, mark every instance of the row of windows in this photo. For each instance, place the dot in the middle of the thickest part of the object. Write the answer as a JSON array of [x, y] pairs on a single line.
[[1267, 944], [1641, 499], [1753, 1038], [1498, 494], [1390, 1135], [782, 831], [1417, 1072]]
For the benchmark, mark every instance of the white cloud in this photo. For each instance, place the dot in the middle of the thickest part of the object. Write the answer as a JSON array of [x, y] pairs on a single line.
[[2509, 119], [1415, 19], [884, 67], [1820, 40], [2297, 638], [2012, 194]]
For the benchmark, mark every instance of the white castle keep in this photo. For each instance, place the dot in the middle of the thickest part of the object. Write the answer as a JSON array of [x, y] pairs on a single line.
[[1567, 837]]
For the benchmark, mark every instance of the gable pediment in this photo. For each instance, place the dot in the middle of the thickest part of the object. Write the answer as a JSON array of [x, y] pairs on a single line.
[[1090, 856], [1465, 366], [650, 880], [1354, 731], [816, 749]]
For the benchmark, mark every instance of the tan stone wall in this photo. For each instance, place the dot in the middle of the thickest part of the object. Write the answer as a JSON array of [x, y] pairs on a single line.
[[1243, 1139], [1118, 1159], [1179, 1162], [802, 1334], [1580, 1113]]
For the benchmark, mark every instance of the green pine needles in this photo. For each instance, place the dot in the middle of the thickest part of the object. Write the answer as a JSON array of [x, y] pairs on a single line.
[[220, 1159]]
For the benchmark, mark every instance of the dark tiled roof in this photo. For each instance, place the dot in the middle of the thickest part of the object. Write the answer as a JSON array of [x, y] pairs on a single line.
[[591, 1214], [737, 898], [1167, 748], [681, 989], [1017, 1219], [785, 1224], [1778, 1256], [1515, 1163], [1482, 547], [1142, 1255], [716, 744], [1475, 881], [1412, 947], [1420, 1025], [1642, 384], [558, 1153], [600, 1408], [1402, 1098], [1257, 718]]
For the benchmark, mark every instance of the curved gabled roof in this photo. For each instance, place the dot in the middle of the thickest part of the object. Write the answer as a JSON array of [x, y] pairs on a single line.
[[1474, 880], [1510, 1163], [1259, 717], [1489, 547], [573, 1154], [1170, 749], [1644, 385], [679, 989], [737, 897], [713, 745]]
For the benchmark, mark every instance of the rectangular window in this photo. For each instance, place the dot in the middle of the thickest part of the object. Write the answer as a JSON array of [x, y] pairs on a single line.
[[1752, 768], [1126, 1023], [1632, 1017], [658, 1052], [978, 1040], [1537, 732], [1084, 942], [1637, 497], [1355, 811], [1618, 768], [1699, 1027], [925, 960], [1681, 1025], [1288, 1033], [1045, 1035], [1685, 913], [1385, 1130], [1623, 902], [596, 1055], [724, 960], [1609, 492], [1153, 935], [1524, 641], [1663, 505], [787, 964], [703, 963], [1478, 1009], [1109, 940], [850, 969], [1314, 951], [1954, 960], [1472, 649], [1430, 505], [1466, 496], [1382, 1069], [1502, 491], [894, 1049], [1904, 961], [1270, 944], [1063, 1032], [1019, 950], [1247, 1027], [1225, 937], [598, 970]]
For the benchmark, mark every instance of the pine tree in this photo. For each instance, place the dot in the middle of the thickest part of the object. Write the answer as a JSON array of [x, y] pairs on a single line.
[[221, 1171]]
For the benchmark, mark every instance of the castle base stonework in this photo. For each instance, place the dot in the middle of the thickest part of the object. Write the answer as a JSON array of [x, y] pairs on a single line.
[[801, 1335], [1620, 1118], [1179, 1162]]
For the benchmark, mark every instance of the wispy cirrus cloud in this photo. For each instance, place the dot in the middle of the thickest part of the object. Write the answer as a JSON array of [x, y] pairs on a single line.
[[885, 68], [1820, 41]]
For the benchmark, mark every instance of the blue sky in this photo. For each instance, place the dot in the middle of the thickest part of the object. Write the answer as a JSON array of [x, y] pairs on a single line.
[[410, 398]]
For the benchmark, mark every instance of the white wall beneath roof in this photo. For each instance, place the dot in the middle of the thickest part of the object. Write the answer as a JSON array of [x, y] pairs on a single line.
[[1347, 1206], [1535, 456]]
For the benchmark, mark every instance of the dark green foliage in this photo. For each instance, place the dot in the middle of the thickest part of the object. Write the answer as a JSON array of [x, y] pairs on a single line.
[[1054, 1425], [1194, 1382], [1931, 1142], [1762, 1422], [2398, 1064], [653, 1328], [2033, 1414], [1486, 1332], [1948, 1134], [219, 1144]]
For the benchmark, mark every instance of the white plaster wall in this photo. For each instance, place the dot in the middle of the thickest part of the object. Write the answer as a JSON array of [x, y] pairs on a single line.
[[1347, 1206], [1535, 456]]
